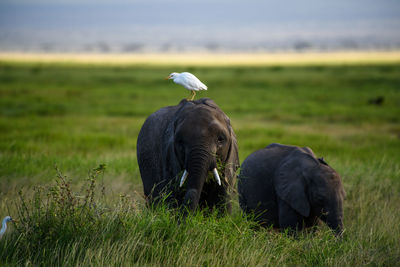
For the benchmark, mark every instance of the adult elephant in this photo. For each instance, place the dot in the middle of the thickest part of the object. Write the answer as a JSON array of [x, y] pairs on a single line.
[[288, 187], [179, 150]]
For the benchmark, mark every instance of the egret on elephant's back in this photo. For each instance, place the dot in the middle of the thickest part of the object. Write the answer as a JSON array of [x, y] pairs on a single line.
[[189, 81]]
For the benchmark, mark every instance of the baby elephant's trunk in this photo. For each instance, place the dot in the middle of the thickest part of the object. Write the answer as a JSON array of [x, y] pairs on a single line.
[[335, 221]]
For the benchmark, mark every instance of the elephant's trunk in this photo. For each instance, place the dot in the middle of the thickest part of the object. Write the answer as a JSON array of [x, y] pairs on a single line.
[[197, 164], [336, 225], [334, 220]]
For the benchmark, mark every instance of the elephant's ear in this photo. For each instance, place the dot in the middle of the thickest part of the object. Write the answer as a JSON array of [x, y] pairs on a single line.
[[173, 164], [172, 167], [232, 160], [290, 183]]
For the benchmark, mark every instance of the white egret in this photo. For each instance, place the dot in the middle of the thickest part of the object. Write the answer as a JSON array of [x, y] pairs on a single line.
[[189, 81], [4, 225]]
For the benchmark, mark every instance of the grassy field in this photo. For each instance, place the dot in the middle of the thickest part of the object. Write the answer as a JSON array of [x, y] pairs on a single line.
[[79, 116]]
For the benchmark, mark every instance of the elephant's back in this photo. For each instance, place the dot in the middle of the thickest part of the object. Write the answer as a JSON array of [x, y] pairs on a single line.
[[260, 166]]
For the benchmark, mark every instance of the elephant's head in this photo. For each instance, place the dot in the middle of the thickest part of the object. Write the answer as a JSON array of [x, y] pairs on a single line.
[[202, 141], [312, 188]]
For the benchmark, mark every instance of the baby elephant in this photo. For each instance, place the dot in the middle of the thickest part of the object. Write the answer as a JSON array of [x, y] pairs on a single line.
[[288, 187]]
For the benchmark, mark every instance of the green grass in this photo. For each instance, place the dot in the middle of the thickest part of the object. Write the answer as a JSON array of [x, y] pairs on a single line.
[[79, 116]]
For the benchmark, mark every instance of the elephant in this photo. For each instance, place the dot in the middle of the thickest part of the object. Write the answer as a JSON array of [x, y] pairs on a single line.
[[190, 140], [288, 187]]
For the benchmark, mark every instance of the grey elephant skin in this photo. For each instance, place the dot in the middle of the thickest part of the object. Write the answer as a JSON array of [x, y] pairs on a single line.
[[195, 136], [289, 188]]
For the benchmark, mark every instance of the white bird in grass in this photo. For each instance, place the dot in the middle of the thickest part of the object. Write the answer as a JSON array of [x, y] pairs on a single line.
[[189, 81], [4, 225]]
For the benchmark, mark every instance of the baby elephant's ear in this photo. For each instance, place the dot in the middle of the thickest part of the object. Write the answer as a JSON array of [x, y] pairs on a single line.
[[290, 184]]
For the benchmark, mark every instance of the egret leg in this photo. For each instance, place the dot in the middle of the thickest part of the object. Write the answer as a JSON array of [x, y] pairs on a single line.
[[188, 98], [193, 95]]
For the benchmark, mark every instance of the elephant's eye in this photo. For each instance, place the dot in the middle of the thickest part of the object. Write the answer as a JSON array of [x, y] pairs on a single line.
[[221, 139]]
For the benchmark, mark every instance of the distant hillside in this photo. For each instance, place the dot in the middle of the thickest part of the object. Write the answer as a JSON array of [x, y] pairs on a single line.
[[171, 26]]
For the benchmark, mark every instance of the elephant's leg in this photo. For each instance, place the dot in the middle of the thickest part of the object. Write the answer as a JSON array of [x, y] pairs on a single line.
[[288, 217], [311, 221], [162, 193], [153, 197], [223, 202], [215, 196]]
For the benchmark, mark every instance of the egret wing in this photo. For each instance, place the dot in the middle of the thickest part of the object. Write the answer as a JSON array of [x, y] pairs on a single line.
[[192, 82]]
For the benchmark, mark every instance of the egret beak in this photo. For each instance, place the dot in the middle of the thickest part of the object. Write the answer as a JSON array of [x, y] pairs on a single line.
[[14, 221], [167, 78]]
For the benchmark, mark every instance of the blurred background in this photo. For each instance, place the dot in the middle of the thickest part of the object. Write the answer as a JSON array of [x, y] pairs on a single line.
[[122, 26]]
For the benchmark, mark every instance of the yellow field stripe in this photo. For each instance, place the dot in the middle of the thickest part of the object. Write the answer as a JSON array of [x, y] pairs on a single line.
[[207, 59]]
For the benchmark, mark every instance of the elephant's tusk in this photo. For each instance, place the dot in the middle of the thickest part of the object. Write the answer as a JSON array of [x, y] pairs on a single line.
[[216, 175], [184, 176]]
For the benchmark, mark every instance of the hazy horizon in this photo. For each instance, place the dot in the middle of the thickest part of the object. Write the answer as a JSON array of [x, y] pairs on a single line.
[[170, 26]]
